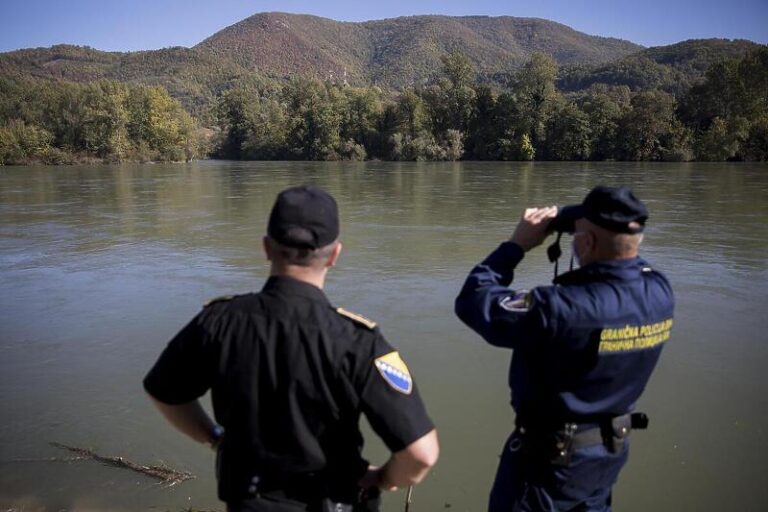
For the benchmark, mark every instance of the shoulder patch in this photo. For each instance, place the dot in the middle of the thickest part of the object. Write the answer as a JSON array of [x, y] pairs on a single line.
[[357, 318], [518, 302], [394, 371], [218, 299]]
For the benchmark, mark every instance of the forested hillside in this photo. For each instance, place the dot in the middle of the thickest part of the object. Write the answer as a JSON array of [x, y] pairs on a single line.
[[674, 68], [402, 51], [723, 118], [278, 86], [193, 77]]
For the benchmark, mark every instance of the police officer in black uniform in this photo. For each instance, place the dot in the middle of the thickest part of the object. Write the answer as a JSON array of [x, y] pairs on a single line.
[[584, 349], [290, 376]]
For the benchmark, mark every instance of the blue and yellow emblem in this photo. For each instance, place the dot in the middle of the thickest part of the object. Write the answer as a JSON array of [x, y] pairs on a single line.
[[394, 372]]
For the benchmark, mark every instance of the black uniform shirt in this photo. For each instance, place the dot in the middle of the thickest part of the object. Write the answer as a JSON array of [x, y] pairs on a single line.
[[290, 376]]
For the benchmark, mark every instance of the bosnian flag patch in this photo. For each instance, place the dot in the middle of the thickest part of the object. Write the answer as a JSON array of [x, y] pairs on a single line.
[[394, 372]]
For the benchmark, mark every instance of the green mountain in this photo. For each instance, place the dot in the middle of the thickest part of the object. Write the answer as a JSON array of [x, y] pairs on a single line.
[[673, 68], [391, 53], [401, 51], [192, 76]]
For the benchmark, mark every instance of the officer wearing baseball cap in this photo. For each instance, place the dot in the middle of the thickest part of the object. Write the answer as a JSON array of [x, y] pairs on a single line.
[[290, 376], [583, 351], [614, 209]]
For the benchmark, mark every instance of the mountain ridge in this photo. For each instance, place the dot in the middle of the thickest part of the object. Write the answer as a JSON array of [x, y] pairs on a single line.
[[403, 50], [393, 53]]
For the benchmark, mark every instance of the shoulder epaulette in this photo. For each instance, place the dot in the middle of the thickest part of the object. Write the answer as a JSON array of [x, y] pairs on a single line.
[[357, 318], [218, 299]]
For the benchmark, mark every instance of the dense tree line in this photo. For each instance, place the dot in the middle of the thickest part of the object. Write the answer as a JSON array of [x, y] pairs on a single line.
[[60, 122], [723, 118]]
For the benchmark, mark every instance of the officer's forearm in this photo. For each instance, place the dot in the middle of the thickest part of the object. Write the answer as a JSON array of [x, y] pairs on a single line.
[[190, 418], [410, 465], [499, 266], [496, 270], [485, 282]]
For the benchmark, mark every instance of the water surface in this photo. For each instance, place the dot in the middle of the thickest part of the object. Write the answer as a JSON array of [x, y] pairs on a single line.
[[100, 266]]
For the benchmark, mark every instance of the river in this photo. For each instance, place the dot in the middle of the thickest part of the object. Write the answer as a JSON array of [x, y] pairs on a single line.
[[101, 265]]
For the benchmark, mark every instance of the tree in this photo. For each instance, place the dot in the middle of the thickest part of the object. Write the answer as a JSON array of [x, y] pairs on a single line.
[[314, 119], [411, 113], [105, 119], [718, 96], [755, 148], [641, 129], [360, 119], [722, 140], [64, 114], [534, 88], [267, 130], [449, 103], [753, 72], [482, 128], [568, 134], [513, 141], [159, 125], [457, 68], [235, 112], [603, 114]]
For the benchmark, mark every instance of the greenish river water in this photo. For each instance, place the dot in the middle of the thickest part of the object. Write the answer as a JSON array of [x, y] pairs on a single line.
[[100, 266]]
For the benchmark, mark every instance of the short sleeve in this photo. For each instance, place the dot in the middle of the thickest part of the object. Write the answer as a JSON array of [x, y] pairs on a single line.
[[389, 397], [184, 370]]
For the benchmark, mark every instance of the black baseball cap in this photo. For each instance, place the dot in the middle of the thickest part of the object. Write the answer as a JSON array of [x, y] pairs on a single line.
[[304, 217], [613, 208]]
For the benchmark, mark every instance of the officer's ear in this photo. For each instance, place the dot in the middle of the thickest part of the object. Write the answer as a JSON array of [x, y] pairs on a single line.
[[331, 262], [590, 241], [267, 248]]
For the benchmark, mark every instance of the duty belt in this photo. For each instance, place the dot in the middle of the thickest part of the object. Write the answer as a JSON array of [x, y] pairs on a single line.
[[311, 489], [559, 443]]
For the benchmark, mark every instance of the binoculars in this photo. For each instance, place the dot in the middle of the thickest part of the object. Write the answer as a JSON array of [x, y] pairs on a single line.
[[565, 220]]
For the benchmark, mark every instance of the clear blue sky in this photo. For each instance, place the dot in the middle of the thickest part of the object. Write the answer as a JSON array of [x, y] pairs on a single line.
[[123, 25]]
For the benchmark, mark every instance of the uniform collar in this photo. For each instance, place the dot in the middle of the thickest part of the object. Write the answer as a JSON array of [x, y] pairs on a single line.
[[627, 269], [285, 285]]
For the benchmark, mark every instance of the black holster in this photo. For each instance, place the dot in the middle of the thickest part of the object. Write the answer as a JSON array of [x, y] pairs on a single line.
[[369, 500], [616, 437]]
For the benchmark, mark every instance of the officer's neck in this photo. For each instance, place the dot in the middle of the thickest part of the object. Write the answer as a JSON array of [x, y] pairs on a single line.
[[606, 258], [600, 254], [309, 275]]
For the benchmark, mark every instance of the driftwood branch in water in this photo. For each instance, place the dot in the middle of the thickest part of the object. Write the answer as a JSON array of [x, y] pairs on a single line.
[[166, 475]]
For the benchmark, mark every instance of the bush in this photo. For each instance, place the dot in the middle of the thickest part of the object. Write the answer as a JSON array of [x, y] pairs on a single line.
[[350, 150], [454, 145], [426, 148], [56, 156], [755, 148], [20, 142]]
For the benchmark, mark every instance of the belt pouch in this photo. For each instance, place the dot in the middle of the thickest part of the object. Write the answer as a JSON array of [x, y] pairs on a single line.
[[620, 427]]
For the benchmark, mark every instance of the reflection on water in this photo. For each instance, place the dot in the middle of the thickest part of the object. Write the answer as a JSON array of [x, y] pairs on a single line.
[[99, 266]]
